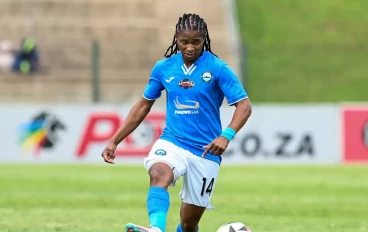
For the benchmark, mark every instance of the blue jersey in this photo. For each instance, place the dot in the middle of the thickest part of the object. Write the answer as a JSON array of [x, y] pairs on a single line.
[[194, 98]]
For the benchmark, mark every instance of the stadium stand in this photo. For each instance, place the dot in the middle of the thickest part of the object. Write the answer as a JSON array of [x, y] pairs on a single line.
[[133, 34]]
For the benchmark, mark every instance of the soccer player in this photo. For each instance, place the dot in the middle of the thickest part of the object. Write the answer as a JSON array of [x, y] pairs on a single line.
[[196, 82]]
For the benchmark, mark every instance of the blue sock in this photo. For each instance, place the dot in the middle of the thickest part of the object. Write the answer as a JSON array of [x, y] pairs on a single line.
[[179, 229], [158, 203]]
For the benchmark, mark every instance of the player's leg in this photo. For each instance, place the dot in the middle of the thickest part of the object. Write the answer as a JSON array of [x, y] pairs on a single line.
[[158, 199], [198, 185], [190, 215], [164, 166]]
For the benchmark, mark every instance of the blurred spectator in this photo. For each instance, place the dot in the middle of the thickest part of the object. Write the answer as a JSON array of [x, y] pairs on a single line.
[[27, 59], [6, 55]]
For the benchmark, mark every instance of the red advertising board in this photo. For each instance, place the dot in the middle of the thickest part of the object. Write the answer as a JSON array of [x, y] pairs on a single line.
[[91, 135], [355, 134]]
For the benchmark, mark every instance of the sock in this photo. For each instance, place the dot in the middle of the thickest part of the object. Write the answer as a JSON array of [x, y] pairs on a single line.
[[156, 229], [179, 229], [158, 203]]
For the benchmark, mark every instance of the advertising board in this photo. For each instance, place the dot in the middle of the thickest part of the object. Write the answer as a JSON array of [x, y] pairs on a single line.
[[78, 134]]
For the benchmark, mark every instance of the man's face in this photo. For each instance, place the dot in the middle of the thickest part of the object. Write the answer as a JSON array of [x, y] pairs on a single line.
[[190, 44]]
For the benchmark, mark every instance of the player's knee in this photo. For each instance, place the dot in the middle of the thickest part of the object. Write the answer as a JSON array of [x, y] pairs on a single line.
[[189, 226], [161, 175]]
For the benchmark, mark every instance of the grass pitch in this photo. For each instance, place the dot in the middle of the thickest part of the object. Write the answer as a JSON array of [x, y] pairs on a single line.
[[53, 198]]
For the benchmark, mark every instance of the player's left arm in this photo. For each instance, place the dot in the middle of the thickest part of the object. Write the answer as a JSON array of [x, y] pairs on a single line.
[[236, 96], [241, 114]]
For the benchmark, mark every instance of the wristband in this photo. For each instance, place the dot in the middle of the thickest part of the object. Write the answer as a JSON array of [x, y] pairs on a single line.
[[228, 133]]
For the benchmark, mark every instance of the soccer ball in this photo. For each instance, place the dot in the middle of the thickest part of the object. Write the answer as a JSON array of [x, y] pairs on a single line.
[[233, 227]]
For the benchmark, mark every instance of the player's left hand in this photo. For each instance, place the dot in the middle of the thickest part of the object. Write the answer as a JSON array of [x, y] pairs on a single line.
[[217, 146]]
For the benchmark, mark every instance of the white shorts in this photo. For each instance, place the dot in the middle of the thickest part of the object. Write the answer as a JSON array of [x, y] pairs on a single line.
[[199, 174]]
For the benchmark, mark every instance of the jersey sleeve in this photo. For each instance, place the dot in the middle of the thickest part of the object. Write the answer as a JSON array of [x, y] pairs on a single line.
[[154, 86], [231, 86]]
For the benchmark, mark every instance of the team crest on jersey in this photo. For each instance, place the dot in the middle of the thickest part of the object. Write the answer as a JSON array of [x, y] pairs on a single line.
[[206, 76], [186, 83], [161, 152]]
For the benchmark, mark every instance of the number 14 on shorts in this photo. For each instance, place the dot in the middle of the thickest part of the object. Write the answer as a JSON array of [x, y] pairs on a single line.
[[207, 189]]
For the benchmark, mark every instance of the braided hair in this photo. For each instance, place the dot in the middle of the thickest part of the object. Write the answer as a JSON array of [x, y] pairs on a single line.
[[191, 22]]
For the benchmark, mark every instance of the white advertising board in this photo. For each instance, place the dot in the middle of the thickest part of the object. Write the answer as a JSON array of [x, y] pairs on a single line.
[[287, 135], [78, 134]]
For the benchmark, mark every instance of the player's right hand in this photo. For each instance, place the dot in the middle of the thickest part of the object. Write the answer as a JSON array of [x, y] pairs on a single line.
[[108, 153]]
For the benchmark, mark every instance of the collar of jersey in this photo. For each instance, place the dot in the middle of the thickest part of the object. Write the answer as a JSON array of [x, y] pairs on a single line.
[[195, 62]]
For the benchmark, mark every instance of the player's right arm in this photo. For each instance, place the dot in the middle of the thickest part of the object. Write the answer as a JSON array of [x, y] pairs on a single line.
[[136, 115]]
